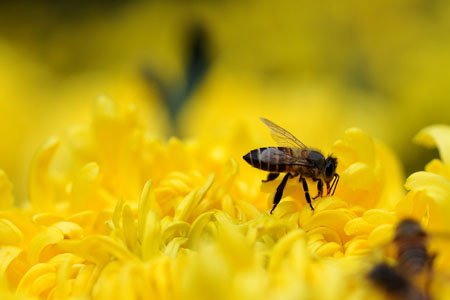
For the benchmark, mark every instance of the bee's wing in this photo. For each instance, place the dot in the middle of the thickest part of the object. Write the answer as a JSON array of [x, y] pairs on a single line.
[[283, 137], [290, 159]]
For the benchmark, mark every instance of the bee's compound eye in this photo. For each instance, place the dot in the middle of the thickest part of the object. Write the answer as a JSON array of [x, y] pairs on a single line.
[[329, 171], [330, 167]]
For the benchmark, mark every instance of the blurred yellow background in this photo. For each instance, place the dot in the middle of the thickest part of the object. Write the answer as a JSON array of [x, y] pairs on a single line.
[[209, 69]]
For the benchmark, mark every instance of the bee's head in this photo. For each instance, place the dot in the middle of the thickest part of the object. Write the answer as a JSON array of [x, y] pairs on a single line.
[[409, 229], [330, 177]]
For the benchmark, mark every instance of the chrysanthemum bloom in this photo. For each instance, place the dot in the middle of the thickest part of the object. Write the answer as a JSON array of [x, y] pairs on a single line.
[[115, 214]]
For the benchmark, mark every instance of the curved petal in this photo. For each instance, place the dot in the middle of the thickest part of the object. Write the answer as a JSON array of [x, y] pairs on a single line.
[[41, 190], [437, 189], [9, 233], [356, 146], [436, 136], [7, 255], [38, 278], [48, 236], [184, 209]]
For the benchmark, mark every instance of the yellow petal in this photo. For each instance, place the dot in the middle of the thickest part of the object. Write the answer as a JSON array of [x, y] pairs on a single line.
[[174, 245], [355, 146], [248, 209], [84, 218], [62, 258], [187, 205], [227, 205], [329, 218], [68, 266], [299, 259], [7, 254], [9, 233], [48, 236], [358, 176], [70, 230], [42, 284], [305, 214], [96, 248], [358, 226], [381, 235], [100, 221], [85, 280], [41, 189], [152, 236], [437, 167], [437, 190], [328, 203], [117, 213], [379, 216], [46, 219], [437, 187], [390, 171], [6, 197], [175, 229], [85, 187], [283, 246], [436, 136], [182, 177], [129, 229], [29, 284], [232, 242], [178, 186], [328, 249], [357, 247], [286, 207], [360, 186], [330, 235], [197, 228], [147, 202]]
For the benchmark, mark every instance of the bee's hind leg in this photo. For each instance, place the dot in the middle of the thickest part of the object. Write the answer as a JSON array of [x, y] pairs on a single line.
[[279, 192], [319, 188], [305, 188], [271, 176]]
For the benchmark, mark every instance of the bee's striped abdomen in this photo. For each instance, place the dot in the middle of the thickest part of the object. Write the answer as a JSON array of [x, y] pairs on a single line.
[[268, 159], [413, 258]]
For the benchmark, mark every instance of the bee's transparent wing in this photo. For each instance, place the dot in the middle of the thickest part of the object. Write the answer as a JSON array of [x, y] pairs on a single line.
[[284, 158], [283, 137]]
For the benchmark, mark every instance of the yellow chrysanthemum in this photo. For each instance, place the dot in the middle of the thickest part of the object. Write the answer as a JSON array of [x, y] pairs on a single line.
[[116, 214], [428, 199]]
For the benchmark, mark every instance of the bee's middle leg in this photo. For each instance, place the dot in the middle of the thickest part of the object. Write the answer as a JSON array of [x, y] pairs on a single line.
[[279, 192], [319, 188], [271, 176], [305, 188]]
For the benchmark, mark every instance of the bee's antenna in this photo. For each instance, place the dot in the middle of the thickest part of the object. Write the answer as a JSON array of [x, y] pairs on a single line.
[[335, 182]]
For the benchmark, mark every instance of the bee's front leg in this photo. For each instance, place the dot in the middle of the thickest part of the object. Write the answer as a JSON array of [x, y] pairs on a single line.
[[319, 188]]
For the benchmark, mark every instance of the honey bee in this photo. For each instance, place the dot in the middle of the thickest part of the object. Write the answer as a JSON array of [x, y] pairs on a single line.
[[413, 258], [294, 159]]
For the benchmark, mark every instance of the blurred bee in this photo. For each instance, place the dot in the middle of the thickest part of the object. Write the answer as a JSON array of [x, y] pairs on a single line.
[[413, 258], [412, 252], [294, 159]]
